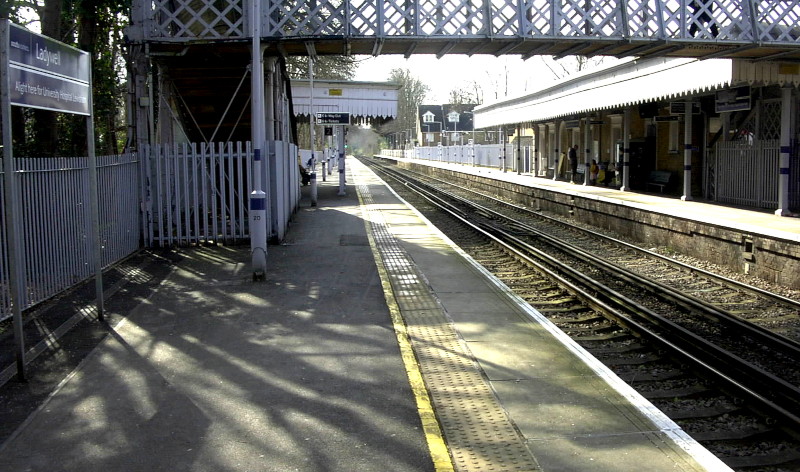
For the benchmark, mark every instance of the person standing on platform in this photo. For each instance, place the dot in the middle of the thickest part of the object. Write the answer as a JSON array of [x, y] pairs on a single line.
[[573, 162], [593, 170]]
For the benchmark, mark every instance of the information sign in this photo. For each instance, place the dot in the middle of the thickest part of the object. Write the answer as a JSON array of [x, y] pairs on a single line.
[[47, 74], [679, 108], [336, 118], [736, 99]]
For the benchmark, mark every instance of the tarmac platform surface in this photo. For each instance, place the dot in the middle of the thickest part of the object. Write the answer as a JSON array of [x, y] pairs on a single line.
[[373, 344]]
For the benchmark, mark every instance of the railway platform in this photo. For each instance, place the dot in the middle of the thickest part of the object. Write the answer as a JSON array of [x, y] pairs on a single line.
[[741, 239], [757, 222], [373, 344]]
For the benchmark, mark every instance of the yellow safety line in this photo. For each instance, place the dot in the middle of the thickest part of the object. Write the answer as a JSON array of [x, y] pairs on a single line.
[[430, 424]]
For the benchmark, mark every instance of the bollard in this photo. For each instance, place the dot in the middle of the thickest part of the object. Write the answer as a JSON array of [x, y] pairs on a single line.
[[313, 189]]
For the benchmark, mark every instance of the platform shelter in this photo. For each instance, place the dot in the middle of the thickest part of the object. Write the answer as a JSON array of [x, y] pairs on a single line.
[[718, 129]]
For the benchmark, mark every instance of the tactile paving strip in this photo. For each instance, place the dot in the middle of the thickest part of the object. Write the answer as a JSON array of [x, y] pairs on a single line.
[[478, 433]]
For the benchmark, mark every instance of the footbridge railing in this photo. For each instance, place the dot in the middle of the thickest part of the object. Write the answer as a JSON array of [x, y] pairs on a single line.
[[401, 26]]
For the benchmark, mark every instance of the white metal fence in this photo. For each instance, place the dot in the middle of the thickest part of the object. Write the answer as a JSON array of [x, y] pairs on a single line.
[[191, 194], [55, 221], [747, 174], [485, 155], [199, 193], [196, 194]]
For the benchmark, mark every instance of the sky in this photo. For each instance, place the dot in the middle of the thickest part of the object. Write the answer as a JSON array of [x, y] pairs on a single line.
[[498, 77]]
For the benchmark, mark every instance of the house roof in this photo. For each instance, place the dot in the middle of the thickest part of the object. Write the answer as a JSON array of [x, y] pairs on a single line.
[[627, 83]]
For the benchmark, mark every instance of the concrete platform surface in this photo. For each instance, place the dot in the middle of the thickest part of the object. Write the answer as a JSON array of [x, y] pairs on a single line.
[[214, 372], [310, 370]]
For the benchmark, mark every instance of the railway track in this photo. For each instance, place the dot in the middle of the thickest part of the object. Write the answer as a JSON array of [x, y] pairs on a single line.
[[687, 339]]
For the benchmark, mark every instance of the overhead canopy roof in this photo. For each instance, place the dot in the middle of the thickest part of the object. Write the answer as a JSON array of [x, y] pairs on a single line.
[[360, 99], [628, 83]]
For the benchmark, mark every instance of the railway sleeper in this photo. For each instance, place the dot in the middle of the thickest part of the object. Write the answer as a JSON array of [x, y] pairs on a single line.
[[788, 459], [631, 359], [561, 309], [588, 318], [682, 413], [604, 337], [696, 389], [732, 434], [614, 349], [633, 376], [601, 327]]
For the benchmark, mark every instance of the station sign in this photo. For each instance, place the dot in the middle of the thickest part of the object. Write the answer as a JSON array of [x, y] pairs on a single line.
[[735, 99], [47, 74], [679, 108], [333, 118]]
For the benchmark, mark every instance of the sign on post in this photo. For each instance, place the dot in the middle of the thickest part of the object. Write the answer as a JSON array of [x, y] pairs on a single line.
[[39, 72], [333, 118], [46, 74]]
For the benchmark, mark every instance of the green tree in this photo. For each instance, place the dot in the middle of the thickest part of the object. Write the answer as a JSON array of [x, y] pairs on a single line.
[[469, 94], [326, 67], [411, 95], [94, 26]]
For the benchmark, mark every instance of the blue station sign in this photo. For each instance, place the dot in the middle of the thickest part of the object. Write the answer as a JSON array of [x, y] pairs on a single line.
[[47, 74]]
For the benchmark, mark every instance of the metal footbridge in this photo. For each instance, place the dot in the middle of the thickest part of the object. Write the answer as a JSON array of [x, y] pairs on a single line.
[[746, 29]]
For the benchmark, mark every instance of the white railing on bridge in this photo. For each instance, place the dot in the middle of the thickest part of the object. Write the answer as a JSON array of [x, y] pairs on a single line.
[[55, 222], [750, 21]]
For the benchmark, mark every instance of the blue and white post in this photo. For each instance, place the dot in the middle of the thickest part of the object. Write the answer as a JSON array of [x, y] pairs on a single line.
[[311, 124], [342, 181], [786, 151], [687, 151], [258, 199], [258, 221]]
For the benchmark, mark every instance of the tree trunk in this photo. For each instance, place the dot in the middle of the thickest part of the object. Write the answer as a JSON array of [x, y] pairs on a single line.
[[45, 142]]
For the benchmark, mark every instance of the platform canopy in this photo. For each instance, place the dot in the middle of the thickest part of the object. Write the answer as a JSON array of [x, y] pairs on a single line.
[[627, 83], [360, 99]]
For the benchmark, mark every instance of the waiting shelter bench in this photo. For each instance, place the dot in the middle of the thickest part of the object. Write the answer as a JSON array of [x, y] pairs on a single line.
[[659, 178]]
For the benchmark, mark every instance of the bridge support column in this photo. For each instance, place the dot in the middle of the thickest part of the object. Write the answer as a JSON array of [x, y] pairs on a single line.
[[687, 151], [786, 149]]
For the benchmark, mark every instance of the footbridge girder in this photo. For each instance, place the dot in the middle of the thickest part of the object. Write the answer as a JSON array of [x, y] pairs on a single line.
[[749, 29]]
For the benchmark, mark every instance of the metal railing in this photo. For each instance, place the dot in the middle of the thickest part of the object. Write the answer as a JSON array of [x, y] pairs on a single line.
[[484, 155], [750, 21], [55, 222], [198, 192], [747, 173]]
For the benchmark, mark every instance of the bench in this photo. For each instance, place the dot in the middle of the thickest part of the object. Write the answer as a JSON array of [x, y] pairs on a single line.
[[659, 178]]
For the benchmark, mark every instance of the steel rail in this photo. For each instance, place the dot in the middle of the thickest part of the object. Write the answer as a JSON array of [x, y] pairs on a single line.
[[666, 259], [774, 395], [689, 302]]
